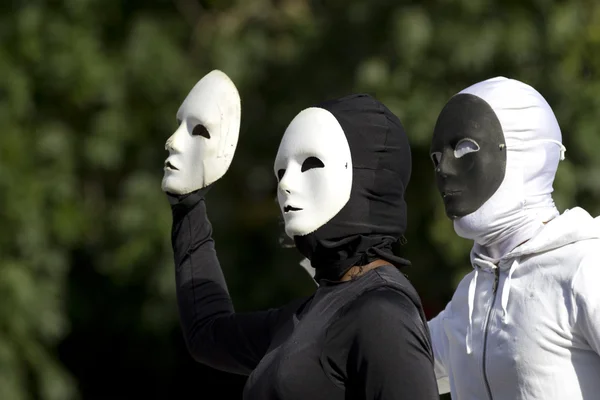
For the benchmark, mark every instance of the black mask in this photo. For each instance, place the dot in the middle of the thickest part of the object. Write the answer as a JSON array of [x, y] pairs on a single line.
[[469, 153]]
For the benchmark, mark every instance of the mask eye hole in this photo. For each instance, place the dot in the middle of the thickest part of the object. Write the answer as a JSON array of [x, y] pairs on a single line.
[[200, 130], [465, 146], [280, 174], [312, 162], [436, 158]]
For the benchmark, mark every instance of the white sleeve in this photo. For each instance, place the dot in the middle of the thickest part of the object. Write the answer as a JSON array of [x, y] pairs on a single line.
[[587, 301], [440, 351]]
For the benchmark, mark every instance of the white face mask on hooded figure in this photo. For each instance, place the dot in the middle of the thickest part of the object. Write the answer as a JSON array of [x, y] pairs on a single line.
[[343, 166], [202, 147], [496, 149], [314, 169]]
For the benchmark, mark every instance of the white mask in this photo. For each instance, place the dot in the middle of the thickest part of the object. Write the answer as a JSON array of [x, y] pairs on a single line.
[[314, 169], [202, 148]]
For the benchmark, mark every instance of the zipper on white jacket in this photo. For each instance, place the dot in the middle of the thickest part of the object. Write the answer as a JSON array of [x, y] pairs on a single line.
[[486, 326]]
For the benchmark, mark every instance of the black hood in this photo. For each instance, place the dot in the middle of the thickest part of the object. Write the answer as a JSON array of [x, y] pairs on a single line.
[[374, 220]]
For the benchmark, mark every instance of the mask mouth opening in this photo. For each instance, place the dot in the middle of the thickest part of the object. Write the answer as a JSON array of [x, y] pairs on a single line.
[[450, 193], [288, 208], [168, 165]]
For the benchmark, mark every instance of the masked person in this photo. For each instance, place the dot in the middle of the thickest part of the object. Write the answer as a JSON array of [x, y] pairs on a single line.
[[525, 323], [342, 168]]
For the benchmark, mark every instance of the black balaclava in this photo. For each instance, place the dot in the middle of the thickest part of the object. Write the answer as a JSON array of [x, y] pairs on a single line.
[[374, 219]]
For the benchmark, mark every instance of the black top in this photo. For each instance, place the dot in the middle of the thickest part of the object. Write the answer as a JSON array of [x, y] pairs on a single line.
[[362, 339]]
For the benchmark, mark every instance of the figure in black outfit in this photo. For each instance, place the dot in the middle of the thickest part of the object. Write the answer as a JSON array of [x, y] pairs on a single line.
[[342, 168]]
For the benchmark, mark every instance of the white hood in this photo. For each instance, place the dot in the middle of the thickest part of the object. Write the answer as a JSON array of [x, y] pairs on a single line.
[[523, 202]]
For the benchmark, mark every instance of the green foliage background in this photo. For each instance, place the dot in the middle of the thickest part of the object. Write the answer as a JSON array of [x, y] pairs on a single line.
[[88, 95]]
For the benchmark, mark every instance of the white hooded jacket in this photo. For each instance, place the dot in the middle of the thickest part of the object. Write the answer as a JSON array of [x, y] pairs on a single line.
[[525, 324], [534, 319]]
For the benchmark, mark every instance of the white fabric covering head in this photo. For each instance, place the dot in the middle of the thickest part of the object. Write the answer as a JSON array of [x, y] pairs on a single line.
[[314, 169], [202, 147], [523, 202]]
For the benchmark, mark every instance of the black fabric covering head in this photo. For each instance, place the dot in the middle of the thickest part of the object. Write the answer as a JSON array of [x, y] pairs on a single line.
[[373, 221]]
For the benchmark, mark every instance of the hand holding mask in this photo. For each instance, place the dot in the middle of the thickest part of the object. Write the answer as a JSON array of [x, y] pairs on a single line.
[[202, 147]]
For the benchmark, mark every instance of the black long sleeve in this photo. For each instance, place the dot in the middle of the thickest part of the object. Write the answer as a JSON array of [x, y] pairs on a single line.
[[387, 353], [363, 339], [214, 333]]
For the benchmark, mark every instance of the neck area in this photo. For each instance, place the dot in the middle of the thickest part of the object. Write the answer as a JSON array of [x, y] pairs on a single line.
[[507, 233], [357, 271], [332, 259], [506, 240], [516, 212]]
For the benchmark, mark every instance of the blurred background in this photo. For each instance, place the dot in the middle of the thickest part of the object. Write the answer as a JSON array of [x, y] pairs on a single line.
[[88, 95]]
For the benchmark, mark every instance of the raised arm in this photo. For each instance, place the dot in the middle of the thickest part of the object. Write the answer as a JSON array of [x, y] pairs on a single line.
[[215, 334], [200, 153]]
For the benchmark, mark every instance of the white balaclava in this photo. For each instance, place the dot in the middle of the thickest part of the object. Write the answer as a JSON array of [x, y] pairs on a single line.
[[510, 196]]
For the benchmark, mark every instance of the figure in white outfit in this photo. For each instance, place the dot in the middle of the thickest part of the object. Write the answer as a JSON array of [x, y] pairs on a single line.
[[525, 323]]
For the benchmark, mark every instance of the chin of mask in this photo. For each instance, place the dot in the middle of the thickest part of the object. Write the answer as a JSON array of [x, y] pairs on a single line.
[[496, 149], [202, 147], [314, 181]]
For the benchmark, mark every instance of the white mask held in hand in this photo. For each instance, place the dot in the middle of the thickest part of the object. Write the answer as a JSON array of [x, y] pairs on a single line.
[[202, 147], [314, 169]]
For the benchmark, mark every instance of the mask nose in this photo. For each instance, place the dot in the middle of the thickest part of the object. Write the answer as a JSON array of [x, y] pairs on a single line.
[[288, 182], [169, 143], [173, 142], [440, 172], [444, 166], [284, 185]]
